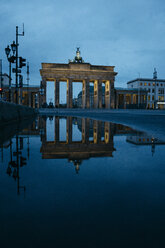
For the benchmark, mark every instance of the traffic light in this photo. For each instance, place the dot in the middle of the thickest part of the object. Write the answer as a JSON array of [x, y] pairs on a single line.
[[22, 62]]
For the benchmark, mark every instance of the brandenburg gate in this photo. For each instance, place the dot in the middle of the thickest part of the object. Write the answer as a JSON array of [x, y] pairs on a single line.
[[79, 71]]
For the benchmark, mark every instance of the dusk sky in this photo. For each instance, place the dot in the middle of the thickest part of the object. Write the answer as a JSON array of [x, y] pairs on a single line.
[[128, 34]]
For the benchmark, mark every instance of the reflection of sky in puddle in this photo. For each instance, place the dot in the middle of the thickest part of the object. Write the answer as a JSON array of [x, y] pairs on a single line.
[[50, 130], [85, 191]]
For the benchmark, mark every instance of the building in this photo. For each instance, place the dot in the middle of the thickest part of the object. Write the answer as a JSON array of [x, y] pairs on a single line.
[[4, 81], [91, 97], [27, 95], [4, 85], [80, 71], [155, 88], [130, 98]]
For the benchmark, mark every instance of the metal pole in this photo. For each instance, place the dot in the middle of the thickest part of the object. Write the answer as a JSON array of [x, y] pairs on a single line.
[[28, 100], [9, 81], [1, 73], [155, 95], [16, 77]]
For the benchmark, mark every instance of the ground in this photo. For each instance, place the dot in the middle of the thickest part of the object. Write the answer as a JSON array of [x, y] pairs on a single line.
[[150, 121]]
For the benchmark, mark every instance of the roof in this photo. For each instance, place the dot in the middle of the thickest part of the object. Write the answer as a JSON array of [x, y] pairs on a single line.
[[146, 79], [130, 89]]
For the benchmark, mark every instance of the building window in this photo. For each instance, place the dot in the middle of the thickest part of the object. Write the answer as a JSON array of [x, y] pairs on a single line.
[[149, 90], [145, 84], [152, 97], [153, 84], [157, 84], [148, 98], [161, 98], [149, 84], [161, 91], [161, 85], [153, 90], [141, 84]]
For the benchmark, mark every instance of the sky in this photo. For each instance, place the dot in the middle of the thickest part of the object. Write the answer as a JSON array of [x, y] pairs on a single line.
[[127, 34]]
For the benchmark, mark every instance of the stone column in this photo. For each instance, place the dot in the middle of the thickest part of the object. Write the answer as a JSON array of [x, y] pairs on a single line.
[[96, 95], [57, 91], [42, 97], [57, 129], [100, 93], [112, 94], [96, 131], [107, 132], [44, 87], [69, 130], [85, 130], [69, 93], [85, 94], [107, 95]]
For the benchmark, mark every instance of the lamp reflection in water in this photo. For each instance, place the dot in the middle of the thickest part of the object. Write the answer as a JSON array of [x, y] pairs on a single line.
[[13, 168]]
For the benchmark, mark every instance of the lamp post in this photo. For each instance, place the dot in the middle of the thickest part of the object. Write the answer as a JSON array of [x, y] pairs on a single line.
[[155, 77], [14, 59], [41, 91], [11, 59]]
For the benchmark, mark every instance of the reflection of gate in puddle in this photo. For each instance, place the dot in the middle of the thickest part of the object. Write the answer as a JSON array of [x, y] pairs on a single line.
[[101, 145]]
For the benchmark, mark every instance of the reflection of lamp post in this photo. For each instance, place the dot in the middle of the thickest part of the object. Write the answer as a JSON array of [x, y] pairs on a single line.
[[153, 146], [14, 166]]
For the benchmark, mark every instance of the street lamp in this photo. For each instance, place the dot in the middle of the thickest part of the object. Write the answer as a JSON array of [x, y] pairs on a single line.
[[11, 59], [14, 59], [41, 94], [14, 47], [7, 51]]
